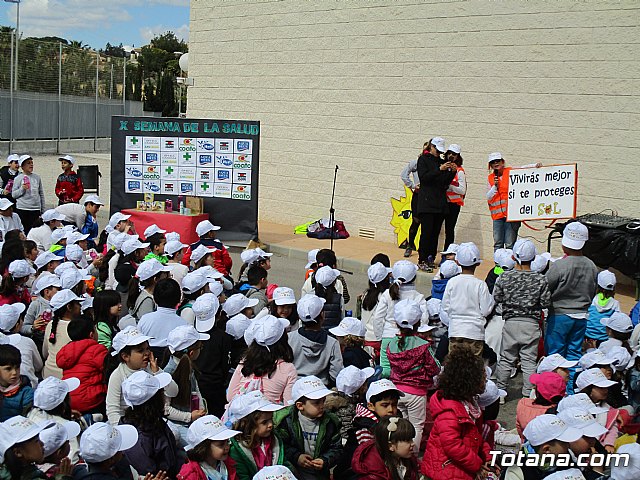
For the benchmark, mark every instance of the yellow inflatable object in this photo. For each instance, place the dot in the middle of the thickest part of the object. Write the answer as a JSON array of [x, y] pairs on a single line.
[[403, 217]]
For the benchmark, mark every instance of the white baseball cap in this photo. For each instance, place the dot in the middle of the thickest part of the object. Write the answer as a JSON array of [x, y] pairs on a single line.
[[618, 321], [208, 427], [52, 391], [630, 471], [58, 234], [10, 314], [172, 247], [326, 275], [152, 230], [607, 280], [266, 331], [309, 307], [582, 420], [247, 403], [377, 273], [494, 156], [404, 271], [540, 262], [351, 378], [19, 429], [73, 253], [433, 307], [68, 158], [455, 148], [150, 268], [56, 435], [384, 385], [5, 203], [64, 266], [237, 325], [87, 303], [546, 428], [72, 277], [553, 361], [581, 401], [451, 249], [311, 257], [569, 474], [45, 280], [172, 237], [468, 254], [20, 269], [209, 272], [75, 237], [593, 376], [193, 282], [284, 296], [449, 269], [216, 288], [621, 358], [132, 244], [183, 337], [93, 199], [503, 257], [594, 357], [119, 238], [51, 215], [205, 227], [249, 256], [274, 472], [310, 387], [236, 303], [349, 326], [140, 386], [424, 328], [438, 142], [575, 235], [407, 313], [205, 308], [102, 441], [14, 157], [61, 298], [118, 217], [524, 250], [490, 395], [200, 252], [24, 158], [128, 336], [44, 258]]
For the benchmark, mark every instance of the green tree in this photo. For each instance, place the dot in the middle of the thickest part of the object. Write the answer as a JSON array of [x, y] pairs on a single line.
[[113, 51], [169, 43]]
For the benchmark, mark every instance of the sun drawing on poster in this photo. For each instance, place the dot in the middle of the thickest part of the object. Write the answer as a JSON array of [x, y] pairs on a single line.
[[402, 217]]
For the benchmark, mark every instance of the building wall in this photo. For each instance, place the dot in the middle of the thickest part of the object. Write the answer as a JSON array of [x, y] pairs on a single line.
[[364, 83]]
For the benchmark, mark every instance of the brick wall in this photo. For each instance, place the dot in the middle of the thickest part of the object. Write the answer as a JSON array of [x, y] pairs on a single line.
[[364, 83]]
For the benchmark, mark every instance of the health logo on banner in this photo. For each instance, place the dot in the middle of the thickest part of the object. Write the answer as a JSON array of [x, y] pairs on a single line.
[[545, 193]]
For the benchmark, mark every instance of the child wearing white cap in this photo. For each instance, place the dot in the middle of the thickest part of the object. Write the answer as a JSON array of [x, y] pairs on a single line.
[[28, 193], [311, 435], [602, 307], [56, 443], [619, 328], [84, 216], [252, 257], [572, 281], [39, 312], [350, 333], [21, 448], [505, 261], [524, 295], [402, 288], [133, 253], [65, 306], [11, 320], [154, 236], [8, 173], [140, 300], [379, 279], [156, 448], [326, 257], [208, 450], [13, 286], [315, 352], [207, 233], [69, 188], [185, 343], [351, 385], [42, 234], [448, 270], [325, 280], [257, 284], [284, 306], [174, 251]]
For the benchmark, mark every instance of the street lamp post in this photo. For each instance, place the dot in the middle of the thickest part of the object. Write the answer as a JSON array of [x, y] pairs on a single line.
[[15, 77]]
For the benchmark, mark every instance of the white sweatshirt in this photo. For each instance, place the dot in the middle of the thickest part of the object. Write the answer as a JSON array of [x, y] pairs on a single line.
[[384, 323], [467, 302]]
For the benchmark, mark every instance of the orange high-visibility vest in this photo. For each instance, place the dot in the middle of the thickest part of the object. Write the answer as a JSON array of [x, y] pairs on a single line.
[[498, 203], [456, 197]]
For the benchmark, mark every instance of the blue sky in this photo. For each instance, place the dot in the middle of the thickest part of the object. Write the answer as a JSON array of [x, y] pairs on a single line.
[[96, 22]]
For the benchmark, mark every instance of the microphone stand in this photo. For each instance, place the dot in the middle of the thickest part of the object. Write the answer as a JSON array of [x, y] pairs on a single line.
[[332, 211]]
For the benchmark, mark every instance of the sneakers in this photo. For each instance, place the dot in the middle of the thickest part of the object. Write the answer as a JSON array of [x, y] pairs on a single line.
[[503, 400], [424, 266], [408, 252], [430, 262]]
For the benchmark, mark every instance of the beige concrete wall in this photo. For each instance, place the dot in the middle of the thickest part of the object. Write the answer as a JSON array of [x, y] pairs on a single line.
[[364, 83]]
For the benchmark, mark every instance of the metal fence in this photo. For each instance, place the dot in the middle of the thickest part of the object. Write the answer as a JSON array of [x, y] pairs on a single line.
[[60, 91]]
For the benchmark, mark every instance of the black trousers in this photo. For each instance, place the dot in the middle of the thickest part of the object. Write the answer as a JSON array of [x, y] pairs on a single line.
[[450, 221], [431, 225], [415, 222], [28, 218]]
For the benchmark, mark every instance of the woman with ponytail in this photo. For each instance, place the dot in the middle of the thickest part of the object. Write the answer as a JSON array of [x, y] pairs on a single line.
[[12, 287], [66, 306], [384, 324]]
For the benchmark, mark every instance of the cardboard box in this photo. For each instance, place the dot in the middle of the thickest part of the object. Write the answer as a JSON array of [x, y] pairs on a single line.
[[195, 205]]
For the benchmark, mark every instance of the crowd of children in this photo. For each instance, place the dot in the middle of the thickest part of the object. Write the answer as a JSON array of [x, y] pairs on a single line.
[[126, 356]]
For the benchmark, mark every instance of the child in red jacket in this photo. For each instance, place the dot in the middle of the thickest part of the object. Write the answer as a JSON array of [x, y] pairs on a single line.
[[69, 188], [456, 449], [83, 358]]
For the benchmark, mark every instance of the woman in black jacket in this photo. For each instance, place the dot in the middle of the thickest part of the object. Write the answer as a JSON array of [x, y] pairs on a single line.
[[435, 176]]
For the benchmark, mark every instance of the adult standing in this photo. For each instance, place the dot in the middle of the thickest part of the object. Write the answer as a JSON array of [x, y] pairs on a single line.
[[435, 176], [409, 176], [83, 216], [455, 194], [28, 193]]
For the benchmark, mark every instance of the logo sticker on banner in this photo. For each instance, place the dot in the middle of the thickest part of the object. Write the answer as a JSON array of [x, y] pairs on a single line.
[[151, 186], [151, 143], [132, 171], [169, 158], [204, 189], [132, 157], [205, 175], [205, 145], [241, 192], [242, 146], [133, 186], [170, 172], [223, 175], [169, 144], [169, 188], [187, 145], [187, 173], [242, 176], [134, 143], [187, 188], [205, 159], [151, 158], [151, 172], [224, 161], [222, 190], [224, 145], [242, 161], [186, 159]]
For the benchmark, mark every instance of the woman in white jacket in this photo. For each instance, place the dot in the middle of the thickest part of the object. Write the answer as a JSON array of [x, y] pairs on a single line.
[[402, 288]]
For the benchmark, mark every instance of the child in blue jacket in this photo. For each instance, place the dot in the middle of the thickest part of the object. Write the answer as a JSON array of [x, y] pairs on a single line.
[[17, 394]]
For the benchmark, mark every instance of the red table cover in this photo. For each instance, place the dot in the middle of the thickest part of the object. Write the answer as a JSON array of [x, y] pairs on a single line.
[[185, 225]]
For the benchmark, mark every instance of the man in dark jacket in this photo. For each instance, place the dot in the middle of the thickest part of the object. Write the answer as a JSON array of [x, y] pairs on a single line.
[[435, 176]]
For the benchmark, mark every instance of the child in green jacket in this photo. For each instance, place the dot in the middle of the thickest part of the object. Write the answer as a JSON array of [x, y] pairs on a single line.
[[311, 436]]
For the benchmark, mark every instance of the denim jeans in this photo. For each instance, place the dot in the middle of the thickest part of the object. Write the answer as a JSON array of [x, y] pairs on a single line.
[[505, 233]]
